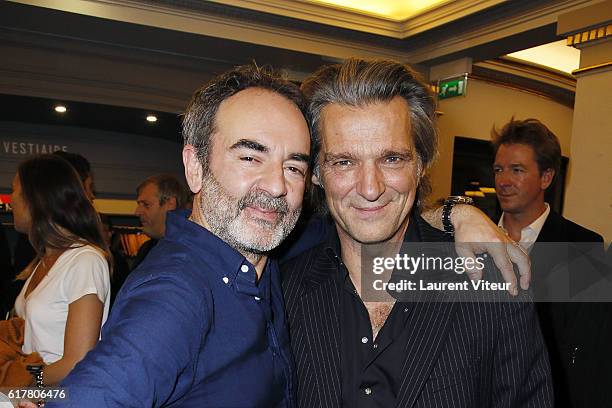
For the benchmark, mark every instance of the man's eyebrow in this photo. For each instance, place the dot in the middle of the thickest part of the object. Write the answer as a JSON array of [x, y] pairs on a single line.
[[336, 156], [299, 157], [408, 154], [405, 153], [249, 144], [253, 145]]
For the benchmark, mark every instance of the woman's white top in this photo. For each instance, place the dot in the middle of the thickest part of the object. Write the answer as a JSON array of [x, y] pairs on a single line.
[[77, 272]]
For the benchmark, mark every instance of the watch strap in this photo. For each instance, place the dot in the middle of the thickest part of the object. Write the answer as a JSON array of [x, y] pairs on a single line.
[[447, 209]]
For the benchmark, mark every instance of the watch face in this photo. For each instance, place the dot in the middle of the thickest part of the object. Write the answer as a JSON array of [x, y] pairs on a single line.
[[461, 199]]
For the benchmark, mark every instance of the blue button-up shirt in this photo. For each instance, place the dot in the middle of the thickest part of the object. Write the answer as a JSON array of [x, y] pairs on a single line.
[[193, 327]]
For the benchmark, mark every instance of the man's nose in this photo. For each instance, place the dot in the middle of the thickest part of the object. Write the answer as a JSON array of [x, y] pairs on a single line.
[[371, 184], [502, 178], [273, 181]]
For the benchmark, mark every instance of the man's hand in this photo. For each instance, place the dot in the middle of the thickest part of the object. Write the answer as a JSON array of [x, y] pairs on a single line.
[[476, 234], [27, 404]]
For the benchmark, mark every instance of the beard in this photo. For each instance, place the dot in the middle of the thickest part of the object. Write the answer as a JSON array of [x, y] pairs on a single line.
[[227, 219]]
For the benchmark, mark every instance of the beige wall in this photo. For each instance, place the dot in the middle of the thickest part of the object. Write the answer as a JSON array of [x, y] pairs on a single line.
[[485, 105], [588, 198]]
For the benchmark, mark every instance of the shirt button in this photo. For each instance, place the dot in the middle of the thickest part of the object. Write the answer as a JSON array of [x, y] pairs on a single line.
[[368, 391], [225, 280], [375, 346], [364, 340], [244, 268]]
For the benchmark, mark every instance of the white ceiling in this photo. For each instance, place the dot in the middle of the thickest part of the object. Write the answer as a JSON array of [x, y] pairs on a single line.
[[556, 55]]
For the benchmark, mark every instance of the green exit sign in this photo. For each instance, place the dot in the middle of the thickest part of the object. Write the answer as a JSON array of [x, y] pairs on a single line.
[[451, 87]]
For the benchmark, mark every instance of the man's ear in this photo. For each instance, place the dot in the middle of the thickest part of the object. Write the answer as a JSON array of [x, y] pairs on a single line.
[[547, 177], [316, 179], [171, 203], [193, 168]]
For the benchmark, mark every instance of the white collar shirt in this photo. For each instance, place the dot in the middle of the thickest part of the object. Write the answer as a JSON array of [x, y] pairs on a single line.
[[530, 233]]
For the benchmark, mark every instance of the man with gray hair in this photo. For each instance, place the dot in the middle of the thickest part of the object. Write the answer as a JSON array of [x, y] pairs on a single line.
[[373, 128], [201, 322]]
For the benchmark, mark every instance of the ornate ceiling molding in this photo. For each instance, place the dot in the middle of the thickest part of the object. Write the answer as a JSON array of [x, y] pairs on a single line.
[[506, 27], [534, 72], [195, 17], [363, 21], [227, 27], [526, 77]]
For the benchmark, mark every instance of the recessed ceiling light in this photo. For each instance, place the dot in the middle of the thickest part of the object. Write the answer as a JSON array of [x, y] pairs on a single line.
[[60, 109], [151, 118]]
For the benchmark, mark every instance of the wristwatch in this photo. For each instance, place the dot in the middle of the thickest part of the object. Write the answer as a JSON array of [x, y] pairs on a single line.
[[36, 371], [449, 203]]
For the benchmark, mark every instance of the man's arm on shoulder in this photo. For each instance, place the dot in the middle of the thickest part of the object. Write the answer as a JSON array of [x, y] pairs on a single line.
[[152, 336], [521, 371], [475, 234]]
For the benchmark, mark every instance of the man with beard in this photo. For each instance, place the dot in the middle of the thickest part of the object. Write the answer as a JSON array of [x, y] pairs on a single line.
[[374, 138], [201, 321]]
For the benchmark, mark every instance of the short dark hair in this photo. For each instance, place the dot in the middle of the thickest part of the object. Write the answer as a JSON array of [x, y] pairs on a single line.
[[200, 116], [533, 133], [60, 211], [358, 82], [80, 163], [168, 186]]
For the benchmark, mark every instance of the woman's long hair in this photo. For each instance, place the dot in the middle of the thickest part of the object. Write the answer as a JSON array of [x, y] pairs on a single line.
[[61, 215]]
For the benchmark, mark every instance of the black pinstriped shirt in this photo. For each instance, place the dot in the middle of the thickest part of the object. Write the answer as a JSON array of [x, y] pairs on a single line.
[[371, 368]]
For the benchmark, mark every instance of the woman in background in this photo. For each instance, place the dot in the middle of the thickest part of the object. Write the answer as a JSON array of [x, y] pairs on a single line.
[[66, 296]]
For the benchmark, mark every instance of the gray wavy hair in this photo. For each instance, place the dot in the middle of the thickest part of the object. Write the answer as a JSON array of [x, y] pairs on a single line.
[[358, 82]]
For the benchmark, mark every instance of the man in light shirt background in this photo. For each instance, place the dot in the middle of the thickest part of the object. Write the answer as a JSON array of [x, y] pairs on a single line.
[[527, 159]]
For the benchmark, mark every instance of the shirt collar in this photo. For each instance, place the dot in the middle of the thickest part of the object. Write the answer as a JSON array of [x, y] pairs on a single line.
[[332, 242], [226, 261], [333, 250], [530, 233]]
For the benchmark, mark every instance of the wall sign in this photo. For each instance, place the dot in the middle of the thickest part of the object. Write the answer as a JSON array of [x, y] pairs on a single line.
[[120, 161], [451, 87], [26, 148]]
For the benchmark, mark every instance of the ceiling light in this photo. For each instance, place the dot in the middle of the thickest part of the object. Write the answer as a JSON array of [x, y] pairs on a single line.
[[60, 109], [397, 10], [151, 118]]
